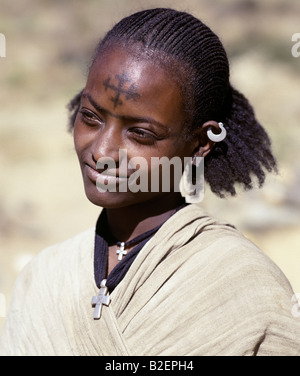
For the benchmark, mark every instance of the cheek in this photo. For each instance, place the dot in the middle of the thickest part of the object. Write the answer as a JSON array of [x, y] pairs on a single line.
[[80, 137]]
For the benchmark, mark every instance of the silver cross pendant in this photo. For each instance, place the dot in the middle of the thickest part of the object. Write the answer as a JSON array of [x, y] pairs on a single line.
[[102, 298], [121, 251]]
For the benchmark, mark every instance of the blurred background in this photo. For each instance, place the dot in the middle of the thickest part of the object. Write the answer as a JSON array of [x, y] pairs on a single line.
[[48, 47]]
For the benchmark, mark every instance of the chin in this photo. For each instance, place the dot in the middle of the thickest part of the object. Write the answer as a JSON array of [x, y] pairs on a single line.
[[116, 200], [111, 200]]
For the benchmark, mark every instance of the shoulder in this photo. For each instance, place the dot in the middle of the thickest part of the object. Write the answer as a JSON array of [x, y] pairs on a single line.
[[241, 261], [226, 244], [242, 278], [248, 288], [69, 247], [54, 270], [233, 264], [62, 255], [55, 275]]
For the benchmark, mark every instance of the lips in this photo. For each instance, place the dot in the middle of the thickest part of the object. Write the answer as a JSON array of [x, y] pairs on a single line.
[[106, 177]]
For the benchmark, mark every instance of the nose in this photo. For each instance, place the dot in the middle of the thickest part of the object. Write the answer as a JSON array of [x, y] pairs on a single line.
[[108, 142]]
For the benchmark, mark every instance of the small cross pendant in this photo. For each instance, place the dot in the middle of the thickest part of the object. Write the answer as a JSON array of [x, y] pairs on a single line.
[[121, 252], [102, 298]]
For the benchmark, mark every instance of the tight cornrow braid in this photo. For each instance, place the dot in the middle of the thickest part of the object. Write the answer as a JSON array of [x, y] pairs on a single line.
[[196, 57]]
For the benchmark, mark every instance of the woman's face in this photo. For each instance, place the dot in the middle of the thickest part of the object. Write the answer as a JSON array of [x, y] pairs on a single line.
[[134, 106]]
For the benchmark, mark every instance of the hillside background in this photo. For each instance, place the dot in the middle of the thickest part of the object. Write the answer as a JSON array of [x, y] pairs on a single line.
[[49, 44]]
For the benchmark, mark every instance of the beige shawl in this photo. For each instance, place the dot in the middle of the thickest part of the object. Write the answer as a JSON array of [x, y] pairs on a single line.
[[198, 287]]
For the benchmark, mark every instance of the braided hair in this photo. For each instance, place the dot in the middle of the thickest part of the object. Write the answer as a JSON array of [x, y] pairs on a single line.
[[185, 46]]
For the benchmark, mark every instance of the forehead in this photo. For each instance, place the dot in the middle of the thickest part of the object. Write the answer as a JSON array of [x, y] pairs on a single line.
[[134, 83], [138, 67]]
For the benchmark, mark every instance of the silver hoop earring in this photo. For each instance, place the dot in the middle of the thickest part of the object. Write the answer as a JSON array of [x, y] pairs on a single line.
[[196, 161], [217, 137], [192, 191]]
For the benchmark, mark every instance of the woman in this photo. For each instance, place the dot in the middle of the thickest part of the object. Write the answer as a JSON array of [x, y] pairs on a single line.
[[158, 276]]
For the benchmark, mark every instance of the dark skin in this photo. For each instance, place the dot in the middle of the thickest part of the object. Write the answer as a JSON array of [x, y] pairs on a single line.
[[132, 105]]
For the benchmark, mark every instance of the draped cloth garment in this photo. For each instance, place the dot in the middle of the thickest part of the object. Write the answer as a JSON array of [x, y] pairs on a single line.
[[198, 287]]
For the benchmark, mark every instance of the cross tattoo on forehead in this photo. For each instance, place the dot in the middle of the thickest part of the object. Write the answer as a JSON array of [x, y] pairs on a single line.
[[129, 93]]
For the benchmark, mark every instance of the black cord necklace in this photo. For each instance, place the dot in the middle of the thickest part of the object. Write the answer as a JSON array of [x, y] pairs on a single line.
[[103, 239], [124, 245]]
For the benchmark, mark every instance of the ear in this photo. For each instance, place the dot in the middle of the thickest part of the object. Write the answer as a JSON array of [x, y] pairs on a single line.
[[205, 145]]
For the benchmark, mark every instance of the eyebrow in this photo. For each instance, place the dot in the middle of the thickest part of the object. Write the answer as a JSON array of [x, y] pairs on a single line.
[[138, 119]]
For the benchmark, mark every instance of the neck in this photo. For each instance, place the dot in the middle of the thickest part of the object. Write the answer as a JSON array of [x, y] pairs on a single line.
[[128, 222]]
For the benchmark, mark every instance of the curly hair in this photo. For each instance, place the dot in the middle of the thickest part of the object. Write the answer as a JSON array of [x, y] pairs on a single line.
[[187, 47]]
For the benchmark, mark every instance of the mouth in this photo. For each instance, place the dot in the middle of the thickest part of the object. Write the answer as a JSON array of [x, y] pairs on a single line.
[[106, 177]]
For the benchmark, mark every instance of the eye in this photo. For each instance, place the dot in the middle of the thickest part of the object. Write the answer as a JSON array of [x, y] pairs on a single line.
[[90, 117], [143, 135]]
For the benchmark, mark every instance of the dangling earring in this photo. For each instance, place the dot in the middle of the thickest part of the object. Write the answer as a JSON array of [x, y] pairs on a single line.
[[193, 172], [217, 137]]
